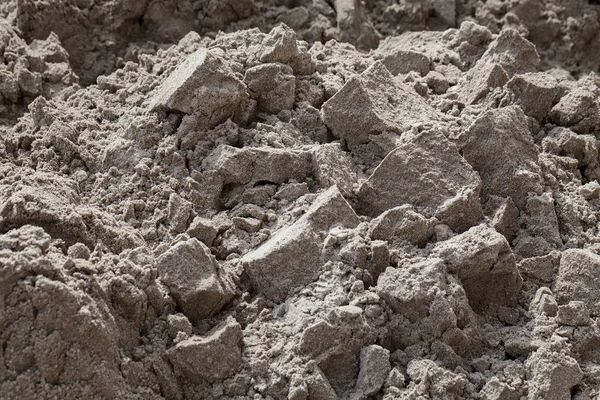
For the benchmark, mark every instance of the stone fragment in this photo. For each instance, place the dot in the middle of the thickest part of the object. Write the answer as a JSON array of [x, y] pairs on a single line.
[[551, 374], [439, 383], [399, 61], [484, 263], [500, 148], [406, 289], [202, 85], [480, 80], [272, 85], [428, 172], [292, 257], [249, 165], [203, 229], [496, 390], [332, 166], [507, 55], [542, 269], [584, 148], [514, 53], [282, 47], [579, 279], [544, 303], [247, 224], [579, 109], [374, 102], [575, 313], [194, 279], [506, 218], [179, 212], [211, 357], [534, 93], [354, 24], [374, 369], [318, 338], [403, 223]]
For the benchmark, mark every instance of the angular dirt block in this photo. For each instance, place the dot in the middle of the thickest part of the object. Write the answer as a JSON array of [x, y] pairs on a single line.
[[579, 109], [551, 374], [333, 166], [484, 263], [202, 85], [576, 313], [507, 55], [404, 223], [407, 289], [211, 357], [480, 80], [272, 85], [192, 275], [499, 146], [513, 52], [354, 25], [374, 102], [583, 148], [399, 61], [254, 164], [281, 46], [292, 257], [579, 279], [428, 172], [374, 369], [534, 92]]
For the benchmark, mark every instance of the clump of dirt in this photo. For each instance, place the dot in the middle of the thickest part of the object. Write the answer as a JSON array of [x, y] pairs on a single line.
[[299, 200]]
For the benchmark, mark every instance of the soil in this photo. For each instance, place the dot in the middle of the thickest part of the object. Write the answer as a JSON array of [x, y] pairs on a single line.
[[300, 199]]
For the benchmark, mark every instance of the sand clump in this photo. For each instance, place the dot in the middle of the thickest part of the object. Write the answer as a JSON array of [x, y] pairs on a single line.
[[302, 200]]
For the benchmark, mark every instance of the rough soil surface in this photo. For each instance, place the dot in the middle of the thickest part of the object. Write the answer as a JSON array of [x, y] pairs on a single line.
[[300, 199]]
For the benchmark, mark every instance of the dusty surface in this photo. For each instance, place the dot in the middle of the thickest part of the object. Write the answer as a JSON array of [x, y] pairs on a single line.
[[302, 200]]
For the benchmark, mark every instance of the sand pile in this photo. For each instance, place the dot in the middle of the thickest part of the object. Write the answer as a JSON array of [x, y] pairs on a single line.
[[302, 200]]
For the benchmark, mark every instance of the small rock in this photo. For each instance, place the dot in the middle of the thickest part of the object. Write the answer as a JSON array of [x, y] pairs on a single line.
[[332, 166], [407, 289], [428, 172], [192, 275], [374, 369], [249, 165], [400, 62], [292, 257], [496, 390], [551, 374], [318, 338], [203, 229], [534, 92], [579, 109], [575, 313], [202, 85], [178, 323], [404, 223], [578, 279], [79, 250], [374, 102], [395, 379], [272, 85], [211, 357], [179, 211], [500, 148], [544, 303], [437, 82], [483, 261], [281, 46], [354, 24], [247, 224]]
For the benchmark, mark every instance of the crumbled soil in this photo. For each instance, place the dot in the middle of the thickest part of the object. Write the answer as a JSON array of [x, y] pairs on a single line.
[[302, 200]]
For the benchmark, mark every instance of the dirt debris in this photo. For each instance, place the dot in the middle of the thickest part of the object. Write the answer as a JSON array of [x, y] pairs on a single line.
[[302, 200]]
